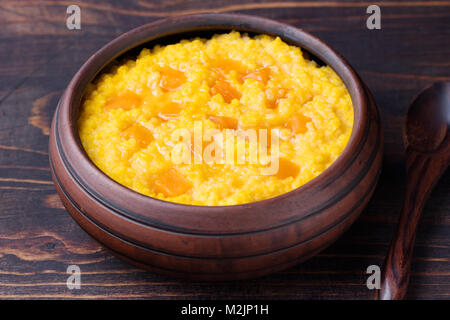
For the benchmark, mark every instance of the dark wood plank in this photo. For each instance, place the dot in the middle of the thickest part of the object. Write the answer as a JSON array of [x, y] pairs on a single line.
[[38, 239]]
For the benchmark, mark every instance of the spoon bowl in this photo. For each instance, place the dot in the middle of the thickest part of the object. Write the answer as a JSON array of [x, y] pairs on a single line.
[[428, 119]]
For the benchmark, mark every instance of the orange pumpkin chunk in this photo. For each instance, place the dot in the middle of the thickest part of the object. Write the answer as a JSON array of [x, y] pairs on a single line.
[[298, 122], [224, 122], [260, 74], [171, 183], [127, 100], [286, 168], [225, 66], [171, 79], [226, 90], [170, 111], [273, 102], [139, 133]]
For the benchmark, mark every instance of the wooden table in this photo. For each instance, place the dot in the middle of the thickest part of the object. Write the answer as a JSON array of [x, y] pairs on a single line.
[[38, 238]]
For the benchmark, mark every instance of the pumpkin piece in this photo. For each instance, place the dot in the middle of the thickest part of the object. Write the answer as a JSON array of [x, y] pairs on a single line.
[[139, 133], [260, 74], [170, 111], [172, 183], [272, 103], [171, 79], [224, 66], [226, 90], [298, 122], [286, 168], [127, 100], [224, 122]]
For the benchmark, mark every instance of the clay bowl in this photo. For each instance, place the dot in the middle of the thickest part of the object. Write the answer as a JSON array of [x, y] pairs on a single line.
[[222, 242]]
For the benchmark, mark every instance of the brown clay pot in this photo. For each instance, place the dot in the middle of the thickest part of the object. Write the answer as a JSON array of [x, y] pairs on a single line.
[[222, 242]]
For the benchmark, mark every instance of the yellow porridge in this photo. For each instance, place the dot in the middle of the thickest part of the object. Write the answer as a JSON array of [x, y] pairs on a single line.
[[133, 116]]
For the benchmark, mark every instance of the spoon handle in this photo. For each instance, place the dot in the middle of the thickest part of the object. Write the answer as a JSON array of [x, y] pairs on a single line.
[[422, 173]]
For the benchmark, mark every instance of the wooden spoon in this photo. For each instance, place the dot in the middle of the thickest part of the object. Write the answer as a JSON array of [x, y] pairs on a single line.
[[427, 137]]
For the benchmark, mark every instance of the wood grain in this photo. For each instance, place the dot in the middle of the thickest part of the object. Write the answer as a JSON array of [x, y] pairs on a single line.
[[38, 239]]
